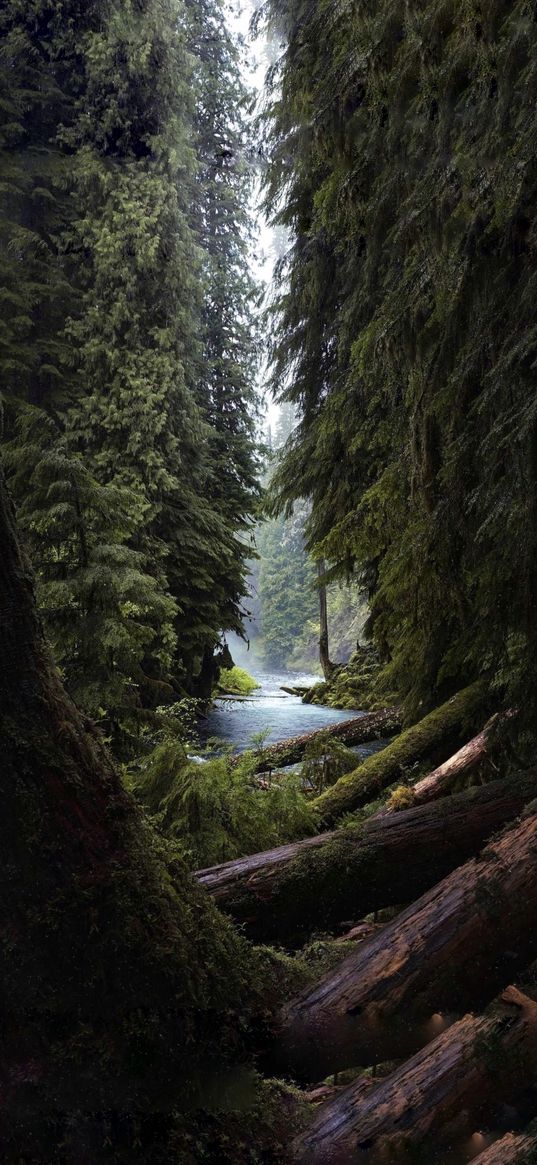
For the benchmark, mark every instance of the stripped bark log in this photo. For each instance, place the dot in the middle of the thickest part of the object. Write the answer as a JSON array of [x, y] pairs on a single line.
[[288, 892], [449, 950], [513, 1149], [437, 783], [441, 1093], [359, 730], [439, 728]]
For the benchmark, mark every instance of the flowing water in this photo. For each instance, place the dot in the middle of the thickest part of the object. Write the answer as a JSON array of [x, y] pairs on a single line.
[[272, 711]]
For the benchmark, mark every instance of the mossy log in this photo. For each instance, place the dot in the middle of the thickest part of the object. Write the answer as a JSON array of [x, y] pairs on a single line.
[[449, 950], [513, 1149], [437, 1098], [472, 754], [359, 730], [288, 892], [442, 727]]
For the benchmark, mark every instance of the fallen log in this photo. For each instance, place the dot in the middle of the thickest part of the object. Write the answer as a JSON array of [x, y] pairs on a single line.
[[447, 951], [359, 730], [366, 782], [513, 1149], [478, 750], [288, 892], [437, 1098]]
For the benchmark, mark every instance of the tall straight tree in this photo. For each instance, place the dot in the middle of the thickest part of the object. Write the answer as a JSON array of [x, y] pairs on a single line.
[[225, 376]]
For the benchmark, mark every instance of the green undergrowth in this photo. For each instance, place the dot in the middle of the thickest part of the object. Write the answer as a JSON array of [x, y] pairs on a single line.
[[217, 809], [235, 681], [358, 684]]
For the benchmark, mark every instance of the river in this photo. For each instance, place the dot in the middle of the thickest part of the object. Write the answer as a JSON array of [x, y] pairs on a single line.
[[272, 711]]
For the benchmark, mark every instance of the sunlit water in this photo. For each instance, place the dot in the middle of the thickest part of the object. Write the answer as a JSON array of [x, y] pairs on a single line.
[[270, 710]]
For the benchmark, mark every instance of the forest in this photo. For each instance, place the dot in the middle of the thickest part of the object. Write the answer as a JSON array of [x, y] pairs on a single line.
[[272, 906]]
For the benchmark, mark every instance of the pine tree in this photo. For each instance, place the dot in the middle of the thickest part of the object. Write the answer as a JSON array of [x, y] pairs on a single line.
[[130, 331], [402, 139]]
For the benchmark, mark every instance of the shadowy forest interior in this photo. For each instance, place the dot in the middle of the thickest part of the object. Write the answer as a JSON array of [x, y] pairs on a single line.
[[318, 947]]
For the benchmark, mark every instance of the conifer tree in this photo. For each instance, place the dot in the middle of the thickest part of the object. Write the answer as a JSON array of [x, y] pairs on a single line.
[[402, 139]]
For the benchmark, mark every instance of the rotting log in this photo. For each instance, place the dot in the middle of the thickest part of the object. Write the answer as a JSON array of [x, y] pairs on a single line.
[[436, 1098], [472, 754], [449, 950], [360, 730], [288, 892], [513, 1149], [441, 727]]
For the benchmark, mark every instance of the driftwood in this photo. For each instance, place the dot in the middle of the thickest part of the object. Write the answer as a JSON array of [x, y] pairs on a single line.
[[437, 783], [359, 730], [437, 1097], [451, 949], [439, 729], [288, 892]]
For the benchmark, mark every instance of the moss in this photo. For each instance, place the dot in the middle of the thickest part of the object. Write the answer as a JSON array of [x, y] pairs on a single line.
[[355, 686], [235, 681], [401, 798], [446, 724]]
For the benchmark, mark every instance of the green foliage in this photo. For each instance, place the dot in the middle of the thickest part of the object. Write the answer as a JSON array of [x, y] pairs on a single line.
[[359, 685], [102, 610], [217, 809], [325, 760], [236, 681], [287, 592], [126, 327], [402, 146]]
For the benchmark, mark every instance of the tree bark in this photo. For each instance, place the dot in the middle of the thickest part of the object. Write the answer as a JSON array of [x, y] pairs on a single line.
[[513, 1149], [324, 649], [435, 731], [436, 1099], [288, 892], [359, 730], [449, 950]]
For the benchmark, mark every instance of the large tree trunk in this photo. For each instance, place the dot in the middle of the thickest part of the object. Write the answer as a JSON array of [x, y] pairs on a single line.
[[359, 730], [288, 892], [324, 648], [112, 1001], [435, 1100], [440, 728], [449, 950]]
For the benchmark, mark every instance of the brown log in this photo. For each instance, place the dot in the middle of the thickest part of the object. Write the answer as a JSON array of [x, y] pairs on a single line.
[[437, 783], [288, 892], [359, 730], [447, 951], [513, 1149], [438, 1098], [439, 729]]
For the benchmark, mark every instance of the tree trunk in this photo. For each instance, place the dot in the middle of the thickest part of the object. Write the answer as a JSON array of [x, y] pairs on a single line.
[[324, 652], [449, 950], [513, 1149], [112, 999], [288, 892], [359, 730], [435, 731], [435, 1100], [437, 783]]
